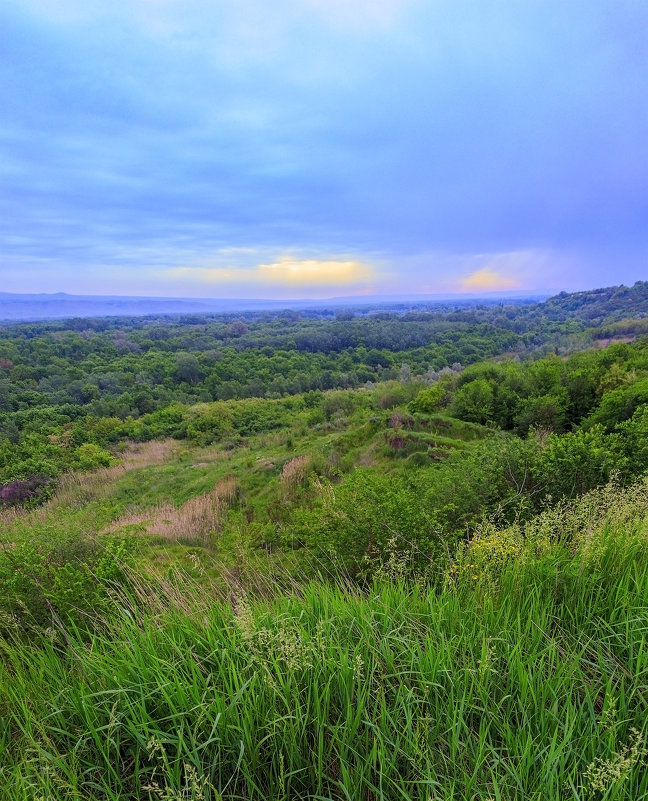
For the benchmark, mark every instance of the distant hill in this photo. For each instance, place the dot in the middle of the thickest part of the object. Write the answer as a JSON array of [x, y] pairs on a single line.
[[594, 306], [61, 305], [598, 305]]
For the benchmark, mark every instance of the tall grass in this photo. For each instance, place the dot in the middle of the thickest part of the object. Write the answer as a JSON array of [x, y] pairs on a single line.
[[77, 488], [191, 522], [527, 683]]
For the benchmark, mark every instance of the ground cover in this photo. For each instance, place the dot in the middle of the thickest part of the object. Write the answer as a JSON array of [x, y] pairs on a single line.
[[525, 676]]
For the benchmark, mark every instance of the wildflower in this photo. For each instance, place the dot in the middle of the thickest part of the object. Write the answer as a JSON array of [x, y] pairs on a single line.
[[602, 774]]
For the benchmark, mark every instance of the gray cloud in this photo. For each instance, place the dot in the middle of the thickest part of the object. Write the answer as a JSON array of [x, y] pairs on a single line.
[[152, 133]]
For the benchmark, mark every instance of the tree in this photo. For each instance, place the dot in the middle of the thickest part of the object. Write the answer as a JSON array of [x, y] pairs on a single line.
[[546, 412], [574, 463], [187, 368], [474, 401]]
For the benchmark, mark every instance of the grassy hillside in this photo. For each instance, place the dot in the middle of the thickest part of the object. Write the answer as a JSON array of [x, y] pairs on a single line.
[[69, 388], [425, 588], [523, 676], [236, 503]]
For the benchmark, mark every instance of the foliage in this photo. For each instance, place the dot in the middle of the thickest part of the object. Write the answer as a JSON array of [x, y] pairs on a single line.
[[526, 685], [71, 382], [357, 519], [576, 462], [88, 456], [474, 401], [62, 580], [24, 492]]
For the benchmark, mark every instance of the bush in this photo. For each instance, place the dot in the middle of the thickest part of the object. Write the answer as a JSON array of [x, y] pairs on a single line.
[[62, 580], [366, 518], [474, 401], [574, 463], [208, 422], [430, 399], [27, 491], [493, 478], [393, 393], [89, 456]]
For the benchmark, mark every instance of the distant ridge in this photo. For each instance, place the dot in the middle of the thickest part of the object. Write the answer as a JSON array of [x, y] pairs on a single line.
[[60, 305]]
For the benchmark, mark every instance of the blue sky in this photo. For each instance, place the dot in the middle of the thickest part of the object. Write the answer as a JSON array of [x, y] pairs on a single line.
[[314, 148]]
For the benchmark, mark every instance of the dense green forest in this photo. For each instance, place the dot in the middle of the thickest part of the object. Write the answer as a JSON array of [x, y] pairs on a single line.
[[65, 385], [328, 555]]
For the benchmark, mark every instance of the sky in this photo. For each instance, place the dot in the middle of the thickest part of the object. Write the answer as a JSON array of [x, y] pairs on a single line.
[[322, 148]]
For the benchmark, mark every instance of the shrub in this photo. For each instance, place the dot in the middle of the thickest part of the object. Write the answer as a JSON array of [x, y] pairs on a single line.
[[89, 456], [25, 491], [366, 518], [60, 580], [429, 400], [474, 401], [574, 463], [208, 422]]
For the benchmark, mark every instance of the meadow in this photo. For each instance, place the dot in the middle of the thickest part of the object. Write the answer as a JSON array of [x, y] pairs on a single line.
[[429, 586], [524, 675]]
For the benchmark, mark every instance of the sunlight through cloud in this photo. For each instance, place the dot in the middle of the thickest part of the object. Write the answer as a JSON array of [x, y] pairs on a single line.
[[487, 280], [314, 271], [285, 271]]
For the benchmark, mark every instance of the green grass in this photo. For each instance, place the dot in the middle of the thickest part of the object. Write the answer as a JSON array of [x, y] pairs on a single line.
[[524, 678], [260, 516], [220, 669]]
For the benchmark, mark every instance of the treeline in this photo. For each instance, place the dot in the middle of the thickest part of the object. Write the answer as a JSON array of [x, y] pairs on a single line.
[[70, 389], [556, 394], [128, 367]]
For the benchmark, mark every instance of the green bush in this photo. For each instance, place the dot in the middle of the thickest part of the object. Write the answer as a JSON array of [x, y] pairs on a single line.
[[208, 422], [430, 399], [574, 463], [369, 516], [474, 401], [61, 579], [89, 456]]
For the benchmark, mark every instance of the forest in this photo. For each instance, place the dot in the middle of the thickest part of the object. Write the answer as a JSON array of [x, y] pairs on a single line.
[[66, 385], [333, 554]]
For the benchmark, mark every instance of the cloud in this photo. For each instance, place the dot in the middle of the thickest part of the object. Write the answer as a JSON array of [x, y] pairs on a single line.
[[285, 272], [211, 275], [487, 280], [173, 17], [313, 271], [365, 14], [428, 137]]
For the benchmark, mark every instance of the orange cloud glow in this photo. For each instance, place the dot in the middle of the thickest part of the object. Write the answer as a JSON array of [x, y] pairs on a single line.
[[487, 280], [314, 271], [286, 271]]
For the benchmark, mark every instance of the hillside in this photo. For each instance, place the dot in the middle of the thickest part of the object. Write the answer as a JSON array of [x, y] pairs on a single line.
[[83, 375], [522, 676], [428, 583]]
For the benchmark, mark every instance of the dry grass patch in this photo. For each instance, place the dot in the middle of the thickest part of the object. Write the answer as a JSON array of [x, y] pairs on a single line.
[[144, 454], [194, 521], [212, 454], [293, 474], [9, 516], [75, 490], [78, 488]]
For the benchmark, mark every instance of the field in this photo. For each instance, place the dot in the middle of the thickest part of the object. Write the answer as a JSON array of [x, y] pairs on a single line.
[[524, 676], [432, 587]]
